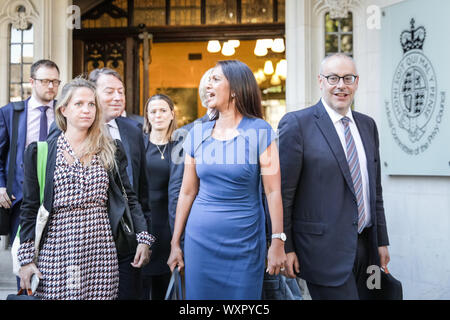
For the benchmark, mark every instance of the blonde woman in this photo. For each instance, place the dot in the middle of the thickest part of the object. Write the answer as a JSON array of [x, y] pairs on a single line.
[[159, 124], [78, 258]]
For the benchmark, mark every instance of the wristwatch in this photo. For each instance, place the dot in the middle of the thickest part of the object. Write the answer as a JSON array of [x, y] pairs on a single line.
[[281, 236]]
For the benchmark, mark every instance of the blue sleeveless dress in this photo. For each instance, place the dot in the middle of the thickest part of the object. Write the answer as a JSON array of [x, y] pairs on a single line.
[[225, 246]]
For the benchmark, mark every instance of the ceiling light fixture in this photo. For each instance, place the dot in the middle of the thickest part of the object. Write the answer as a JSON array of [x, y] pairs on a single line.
[[213, 46], [227, 49], [278, 45]]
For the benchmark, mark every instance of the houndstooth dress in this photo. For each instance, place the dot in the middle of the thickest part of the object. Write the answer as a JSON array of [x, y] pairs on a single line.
[[78, 258]]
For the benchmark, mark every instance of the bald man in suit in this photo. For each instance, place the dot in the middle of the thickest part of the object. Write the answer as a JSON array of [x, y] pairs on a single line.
[[331, 187]]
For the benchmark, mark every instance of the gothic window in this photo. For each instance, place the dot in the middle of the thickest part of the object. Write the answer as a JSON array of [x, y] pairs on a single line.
[[150, 12], [221, 12], [257, 11], [185, 12], [108, 14], [20, 60], [338, 35]]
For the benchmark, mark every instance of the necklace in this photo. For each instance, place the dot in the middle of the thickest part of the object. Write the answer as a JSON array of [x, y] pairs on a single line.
[[162, 152]]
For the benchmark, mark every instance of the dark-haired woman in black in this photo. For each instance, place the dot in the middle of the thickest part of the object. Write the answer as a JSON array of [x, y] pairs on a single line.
[[159, 124]]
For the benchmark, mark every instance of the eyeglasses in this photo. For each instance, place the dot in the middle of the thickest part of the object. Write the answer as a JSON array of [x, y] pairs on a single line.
[[334, 79], [46, 82]]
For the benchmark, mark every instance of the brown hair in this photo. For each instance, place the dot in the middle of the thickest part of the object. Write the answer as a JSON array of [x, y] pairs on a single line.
[[42, 63], [243, 87], [173, 124], [96, 73]]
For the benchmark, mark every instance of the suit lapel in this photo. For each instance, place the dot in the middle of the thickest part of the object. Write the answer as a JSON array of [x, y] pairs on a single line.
[[329, 132], [22, 136], [127, 145]]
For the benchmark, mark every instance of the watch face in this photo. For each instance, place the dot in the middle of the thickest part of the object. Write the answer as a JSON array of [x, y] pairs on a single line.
[[283, 237]]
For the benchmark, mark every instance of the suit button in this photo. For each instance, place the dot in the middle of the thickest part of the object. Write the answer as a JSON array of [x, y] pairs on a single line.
[[355, 223]]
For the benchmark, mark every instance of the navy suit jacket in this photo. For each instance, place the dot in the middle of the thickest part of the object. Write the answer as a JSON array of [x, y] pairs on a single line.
[[177, 167], [319, 203], [6, 118]]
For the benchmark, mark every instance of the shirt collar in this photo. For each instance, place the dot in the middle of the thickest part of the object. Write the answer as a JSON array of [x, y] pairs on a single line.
[[334, 115], [113, 124], [33, 103]]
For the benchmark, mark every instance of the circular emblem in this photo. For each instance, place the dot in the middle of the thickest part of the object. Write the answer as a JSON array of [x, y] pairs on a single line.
[[414, 92]]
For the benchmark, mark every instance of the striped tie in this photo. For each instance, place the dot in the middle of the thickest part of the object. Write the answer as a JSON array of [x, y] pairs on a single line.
[[355, 172]]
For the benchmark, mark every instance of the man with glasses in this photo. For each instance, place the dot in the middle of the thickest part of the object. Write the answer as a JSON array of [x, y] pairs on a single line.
[[34, 116], [331, 187]]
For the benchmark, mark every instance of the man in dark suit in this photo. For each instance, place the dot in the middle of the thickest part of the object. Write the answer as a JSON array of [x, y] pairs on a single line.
[[111, 96], [331, 187], [35, 116]]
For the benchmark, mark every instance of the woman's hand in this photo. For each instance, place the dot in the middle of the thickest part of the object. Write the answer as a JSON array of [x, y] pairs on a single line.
[[176, 258], [142, 256], [25, 273], [276, 257]]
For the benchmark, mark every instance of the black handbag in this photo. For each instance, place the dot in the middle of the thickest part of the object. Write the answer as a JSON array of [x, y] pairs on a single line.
[[126, 242], [5, 221], [387, 288], [390, 288], [175, 290], [5, 214]]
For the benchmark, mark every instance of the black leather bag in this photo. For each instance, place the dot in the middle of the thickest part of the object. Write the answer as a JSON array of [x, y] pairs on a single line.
[[126, 241], [5, 221], [390, 288]]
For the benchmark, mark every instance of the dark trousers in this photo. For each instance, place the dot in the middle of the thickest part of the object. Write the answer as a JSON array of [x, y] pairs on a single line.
[[130, 282], [155, 287], [355, 286]]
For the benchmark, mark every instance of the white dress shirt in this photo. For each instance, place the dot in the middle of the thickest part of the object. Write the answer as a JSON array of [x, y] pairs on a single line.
[[34, 119], [336, 119], [113, 129]]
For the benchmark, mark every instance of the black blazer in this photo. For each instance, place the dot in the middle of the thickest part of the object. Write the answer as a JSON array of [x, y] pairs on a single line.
[[319, 203], [116, 201]]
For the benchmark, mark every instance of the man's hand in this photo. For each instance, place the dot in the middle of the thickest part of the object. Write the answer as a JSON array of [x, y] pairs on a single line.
[[291, 265], [383, 252], [5, 201]]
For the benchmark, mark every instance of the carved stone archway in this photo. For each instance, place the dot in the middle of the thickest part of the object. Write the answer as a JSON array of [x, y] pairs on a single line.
[[338, 8]]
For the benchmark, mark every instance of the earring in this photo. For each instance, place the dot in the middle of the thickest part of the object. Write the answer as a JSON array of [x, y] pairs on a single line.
[[233, 95]]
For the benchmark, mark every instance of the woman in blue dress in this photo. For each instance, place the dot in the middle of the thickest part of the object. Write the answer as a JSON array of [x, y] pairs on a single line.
[[228, 162]]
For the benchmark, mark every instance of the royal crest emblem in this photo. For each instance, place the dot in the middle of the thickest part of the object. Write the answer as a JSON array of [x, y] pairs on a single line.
[[414, 89]]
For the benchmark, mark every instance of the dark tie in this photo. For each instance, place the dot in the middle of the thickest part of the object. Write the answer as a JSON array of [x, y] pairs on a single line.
[[355, 171], [43, 123]]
